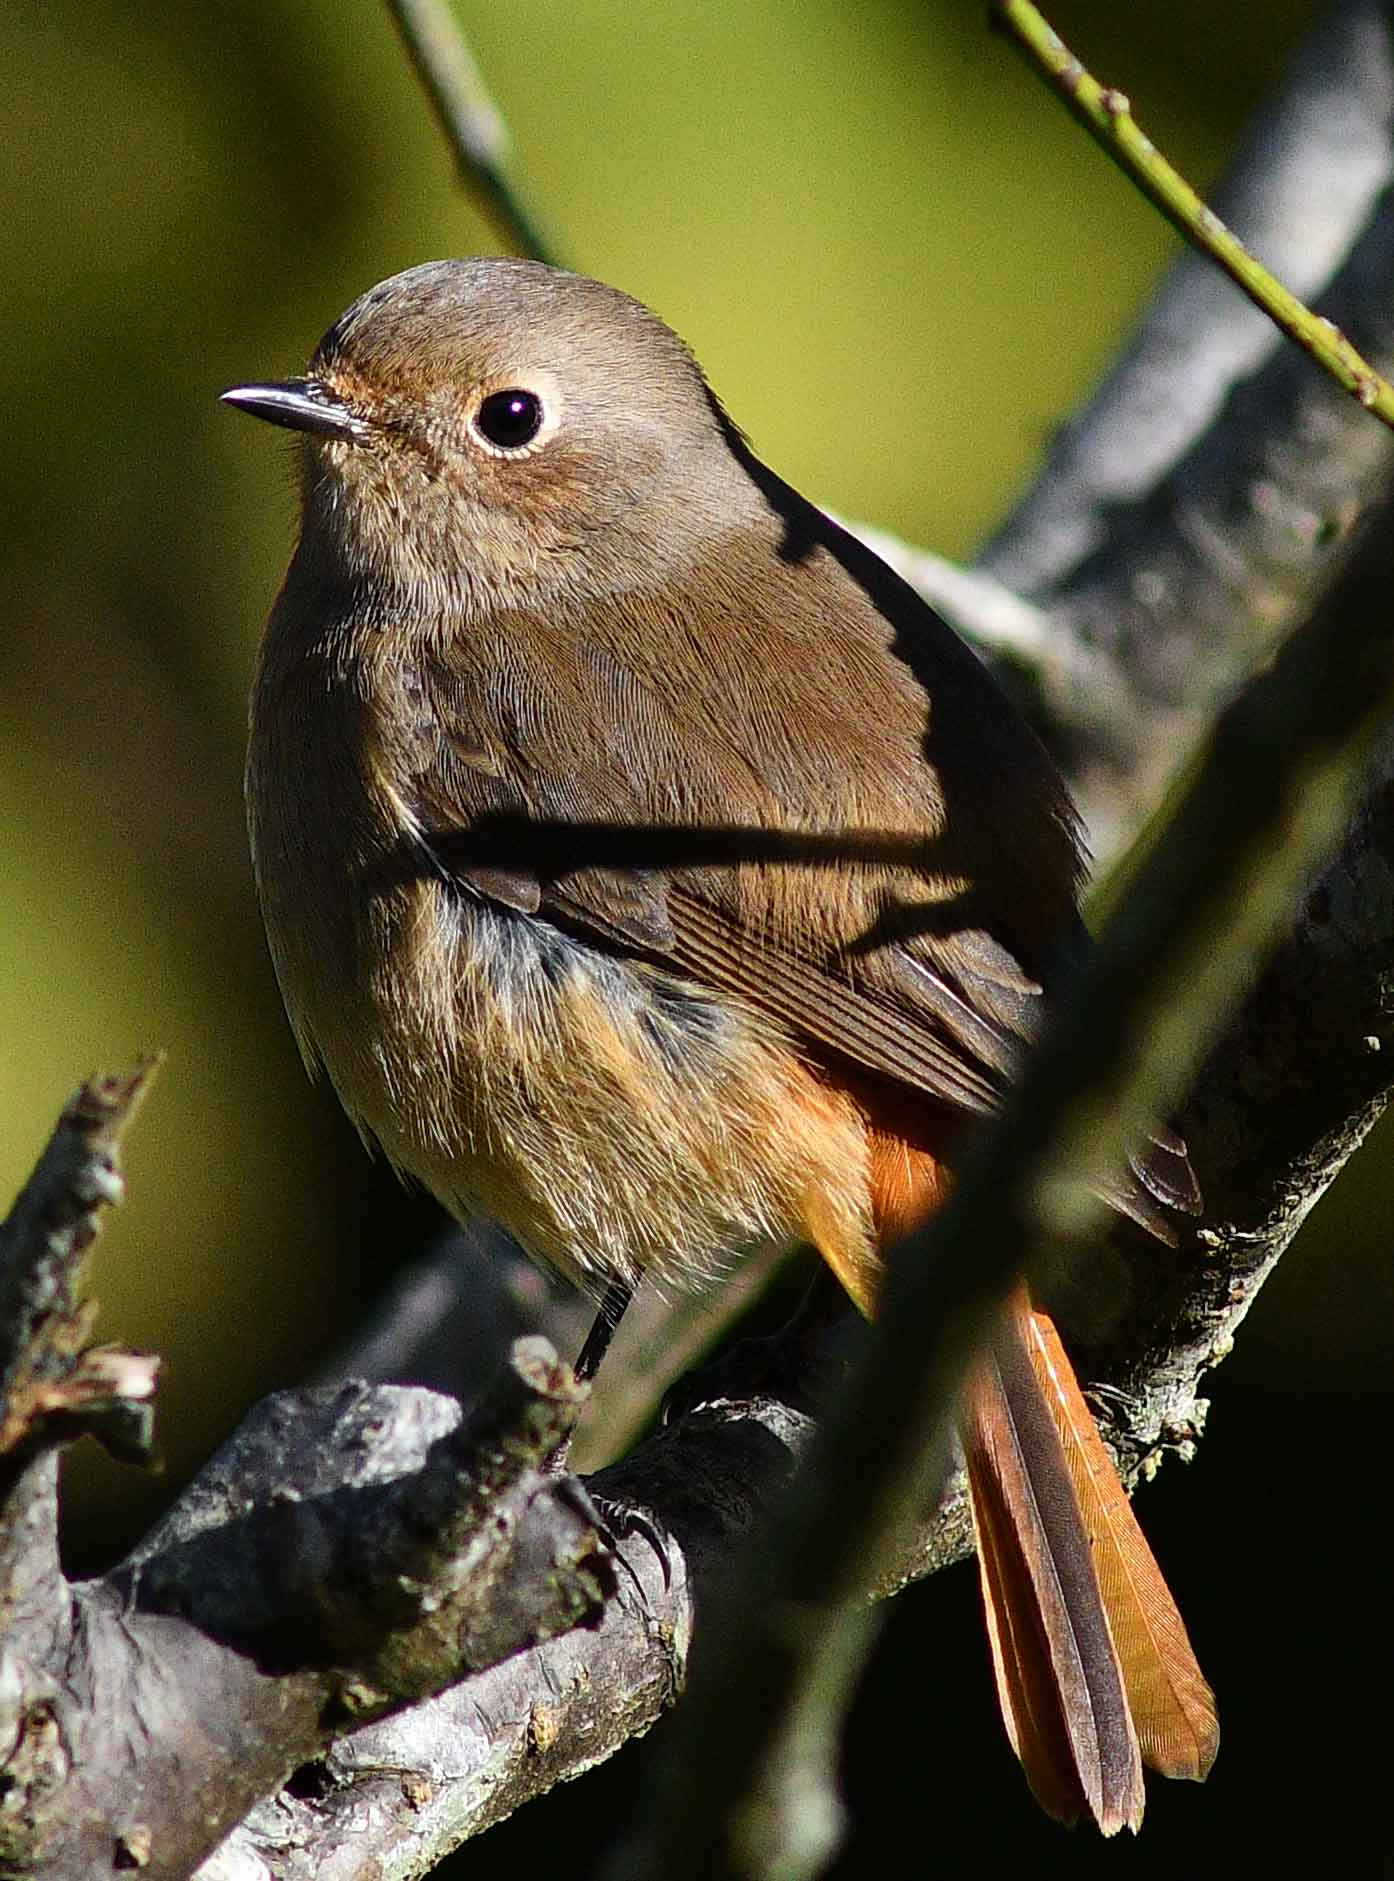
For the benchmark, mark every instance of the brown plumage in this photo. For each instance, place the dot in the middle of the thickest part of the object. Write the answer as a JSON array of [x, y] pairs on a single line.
[[649, 868]]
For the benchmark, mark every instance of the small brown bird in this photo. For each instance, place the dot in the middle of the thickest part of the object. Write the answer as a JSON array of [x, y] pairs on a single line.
[[650, 869]]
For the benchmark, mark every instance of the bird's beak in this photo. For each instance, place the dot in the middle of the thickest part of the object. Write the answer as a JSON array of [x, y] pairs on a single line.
[[301, 405]]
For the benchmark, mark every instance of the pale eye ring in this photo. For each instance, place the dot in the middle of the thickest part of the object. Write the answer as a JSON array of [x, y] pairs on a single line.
[[510, 419]]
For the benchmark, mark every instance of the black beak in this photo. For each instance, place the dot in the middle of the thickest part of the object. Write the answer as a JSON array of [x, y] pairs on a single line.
[[300, 405]]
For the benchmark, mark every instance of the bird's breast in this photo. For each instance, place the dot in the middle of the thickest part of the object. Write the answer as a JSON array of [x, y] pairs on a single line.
[[616, 1119]]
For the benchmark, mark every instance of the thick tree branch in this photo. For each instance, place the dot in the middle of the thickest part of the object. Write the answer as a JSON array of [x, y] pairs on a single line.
[[682, 1504], [346, 1553]]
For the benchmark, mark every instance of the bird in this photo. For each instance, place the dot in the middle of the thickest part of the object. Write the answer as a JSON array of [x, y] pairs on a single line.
[[651, 870]]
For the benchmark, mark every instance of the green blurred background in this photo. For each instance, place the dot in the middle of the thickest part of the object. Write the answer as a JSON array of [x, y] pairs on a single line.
[[901, 265]]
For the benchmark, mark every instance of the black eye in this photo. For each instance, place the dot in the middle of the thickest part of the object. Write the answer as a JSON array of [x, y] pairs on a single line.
[[510, 419]]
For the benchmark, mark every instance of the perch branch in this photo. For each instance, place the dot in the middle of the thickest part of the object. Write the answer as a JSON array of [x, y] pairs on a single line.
[[346, 1553]]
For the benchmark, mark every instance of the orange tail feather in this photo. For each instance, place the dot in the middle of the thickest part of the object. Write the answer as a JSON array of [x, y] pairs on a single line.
[[1059, 1680], [1095, 1674], [1172, 1706]]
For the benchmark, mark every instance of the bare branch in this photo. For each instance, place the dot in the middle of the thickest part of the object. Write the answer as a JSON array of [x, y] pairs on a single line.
[[347, 1552], [45, 1372], [473, 124], [1107, 116], [53, 1386], [1301, 189]]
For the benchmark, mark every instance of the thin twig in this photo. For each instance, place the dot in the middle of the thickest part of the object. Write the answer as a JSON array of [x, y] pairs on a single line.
[[1303, 189], [473, 124], [1107, 116]]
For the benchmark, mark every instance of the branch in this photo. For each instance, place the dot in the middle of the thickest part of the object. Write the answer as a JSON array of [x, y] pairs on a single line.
[[1107, 116], [336, 1560], [53, 1384], [46, 1376], [1209, 490], [395, 1798], [474, 126]]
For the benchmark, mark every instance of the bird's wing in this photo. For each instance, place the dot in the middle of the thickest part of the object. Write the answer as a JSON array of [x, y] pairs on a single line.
[[784, 778], [954, 1032], [701, 837]]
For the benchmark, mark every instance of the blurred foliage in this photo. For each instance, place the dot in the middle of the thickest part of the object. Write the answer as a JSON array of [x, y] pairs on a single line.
[[900, 264]]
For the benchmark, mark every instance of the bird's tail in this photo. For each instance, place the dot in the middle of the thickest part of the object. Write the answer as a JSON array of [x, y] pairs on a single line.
[[1095, 1674]]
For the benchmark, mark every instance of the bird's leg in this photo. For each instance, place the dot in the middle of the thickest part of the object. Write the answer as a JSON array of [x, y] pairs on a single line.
[[597, 1343], [612, 1309]]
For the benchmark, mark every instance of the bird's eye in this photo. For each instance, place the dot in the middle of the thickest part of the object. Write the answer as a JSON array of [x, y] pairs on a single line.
[[508, 420]]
